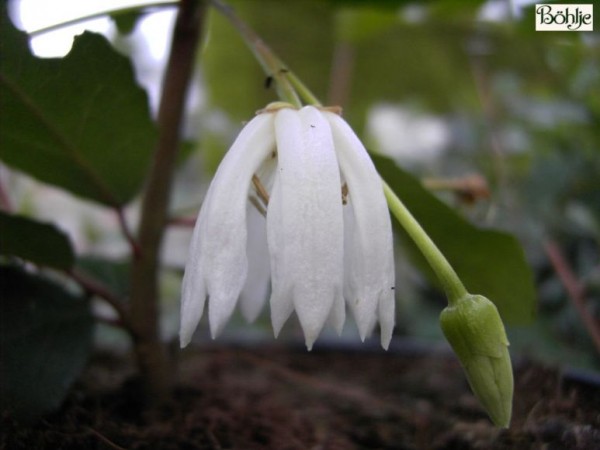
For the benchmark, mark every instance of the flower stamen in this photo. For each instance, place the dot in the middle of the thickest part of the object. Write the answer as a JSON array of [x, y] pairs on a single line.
[[260, 190], [345, 194]]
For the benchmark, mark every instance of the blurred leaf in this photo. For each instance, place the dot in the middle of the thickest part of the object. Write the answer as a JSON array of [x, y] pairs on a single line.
[[45, 342], [37, 242], [489, 262], [80, 122]]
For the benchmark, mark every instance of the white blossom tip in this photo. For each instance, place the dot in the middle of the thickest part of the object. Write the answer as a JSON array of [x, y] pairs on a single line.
[[309, 344], [184, 340]]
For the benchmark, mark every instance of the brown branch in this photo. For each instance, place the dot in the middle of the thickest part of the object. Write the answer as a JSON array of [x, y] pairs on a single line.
[[469, 188], [187, 222], [133, 245], [98, 289], [342, 68], [575, 290], [150, 352]]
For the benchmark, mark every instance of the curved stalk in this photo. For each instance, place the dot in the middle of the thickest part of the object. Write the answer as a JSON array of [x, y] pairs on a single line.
[[271, 64], [453, 287]]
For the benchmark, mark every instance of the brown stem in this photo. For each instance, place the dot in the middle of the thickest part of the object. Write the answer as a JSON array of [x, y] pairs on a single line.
[[150, 352], [133, 245], [96, 288], [342, 68], [574, 289], [186, 222]]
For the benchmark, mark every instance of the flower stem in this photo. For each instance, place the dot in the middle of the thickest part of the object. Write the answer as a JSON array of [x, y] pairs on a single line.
[[448, 278], [270, 62], [303, 90]]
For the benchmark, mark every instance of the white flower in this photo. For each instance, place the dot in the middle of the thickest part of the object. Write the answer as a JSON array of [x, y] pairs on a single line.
[[328, 229]]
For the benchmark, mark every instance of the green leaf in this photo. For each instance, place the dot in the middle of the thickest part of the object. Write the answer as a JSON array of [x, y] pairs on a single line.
[[81, 122], [489, 262], [45, 342], [40, 243]]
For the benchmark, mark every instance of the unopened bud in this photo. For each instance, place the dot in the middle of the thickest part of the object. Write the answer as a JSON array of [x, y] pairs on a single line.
[[475, 331]]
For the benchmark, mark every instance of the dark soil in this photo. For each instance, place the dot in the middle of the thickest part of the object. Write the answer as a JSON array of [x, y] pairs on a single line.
[[328, 399]]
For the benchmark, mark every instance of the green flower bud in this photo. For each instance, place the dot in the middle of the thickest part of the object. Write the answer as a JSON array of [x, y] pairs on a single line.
[[475, 331]]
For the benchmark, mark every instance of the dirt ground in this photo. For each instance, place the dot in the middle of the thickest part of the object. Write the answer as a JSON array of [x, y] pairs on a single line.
[[329, 399]]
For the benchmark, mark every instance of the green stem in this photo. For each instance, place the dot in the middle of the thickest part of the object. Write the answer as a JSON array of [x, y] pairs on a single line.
[[103, 13], [303, 90], [272, 65], [451, 284]]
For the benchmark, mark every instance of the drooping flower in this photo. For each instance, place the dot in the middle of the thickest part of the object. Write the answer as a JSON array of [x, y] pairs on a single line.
[[328, 229]]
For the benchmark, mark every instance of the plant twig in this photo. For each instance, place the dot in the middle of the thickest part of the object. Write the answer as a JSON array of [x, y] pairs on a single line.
[[133, 244], [150, 352], [451, 283], [188, 222], [98, 289], [342, 68], [469, 188], [575, 290]]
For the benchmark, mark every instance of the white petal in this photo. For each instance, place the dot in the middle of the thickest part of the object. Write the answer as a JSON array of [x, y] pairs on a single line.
[[255, 291], [193, 292], [337, 316], [369, 278], [217, 263], [362, 305], [282, 304], [304, 222], [386, 311]]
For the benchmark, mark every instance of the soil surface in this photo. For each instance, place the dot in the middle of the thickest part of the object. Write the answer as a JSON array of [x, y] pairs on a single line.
[[329, 399]]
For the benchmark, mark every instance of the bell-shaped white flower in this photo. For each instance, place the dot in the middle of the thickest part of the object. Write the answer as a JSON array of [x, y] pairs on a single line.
[[328, 230]]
